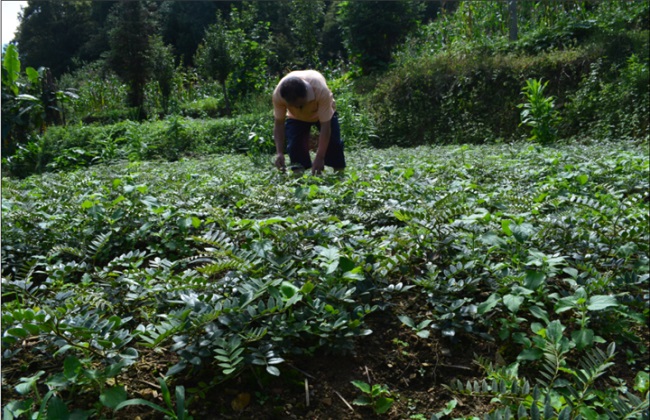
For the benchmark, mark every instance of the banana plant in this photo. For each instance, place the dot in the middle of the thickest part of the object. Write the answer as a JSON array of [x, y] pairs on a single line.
[[30, 101]]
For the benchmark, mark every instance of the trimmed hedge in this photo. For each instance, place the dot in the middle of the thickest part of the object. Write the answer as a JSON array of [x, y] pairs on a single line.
[[447, 98], [71, 147], [455, 97]]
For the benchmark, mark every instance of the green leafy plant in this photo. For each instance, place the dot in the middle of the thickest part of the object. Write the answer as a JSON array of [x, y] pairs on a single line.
[[584, 336], [449, 408], [242, 271], [419, 328], [375, 396], [30, 103], [176, 410], [538, 112], [561, 390]]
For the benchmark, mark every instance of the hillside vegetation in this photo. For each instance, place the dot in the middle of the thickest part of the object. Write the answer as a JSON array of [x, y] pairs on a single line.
[[456, 79], [485, 254], [221, 276]]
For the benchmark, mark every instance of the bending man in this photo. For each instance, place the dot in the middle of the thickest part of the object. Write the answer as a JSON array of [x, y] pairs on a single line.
[[302, 100]]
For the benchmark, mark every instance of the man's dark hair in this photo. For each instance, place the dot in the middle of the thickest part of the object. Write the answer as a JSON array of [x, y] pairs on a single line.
[[293, 88]]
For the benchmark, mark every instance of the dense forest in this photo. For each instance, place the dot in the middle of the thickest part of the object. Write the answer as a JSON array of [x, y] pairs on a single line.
[[64, 35], [484, 254]]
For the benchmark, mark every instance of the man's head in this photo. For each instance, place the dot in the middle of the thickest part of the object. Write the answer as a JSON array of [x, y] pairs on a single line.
[[294, 91]]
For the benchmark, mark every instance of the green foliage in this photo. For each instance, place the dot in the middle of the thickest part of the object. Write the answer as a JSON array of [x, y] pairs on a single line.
[[376, 396], [211, 107], [73, 147], [22, 112], [307, 20], [161, 60], [371, 29], [131, 49], [357, 126], [562, 391], [250, 38], [215, 57], [543, 26], [332, 47], [538, 112], [226, 265], [173, 411], [449, 408], [30, 103], [456, 78], [249, 131], [101, 97], [240, 269], [462, 99], [611, 100], [183, 25], [56, 34], [419, 328], [233, 53]]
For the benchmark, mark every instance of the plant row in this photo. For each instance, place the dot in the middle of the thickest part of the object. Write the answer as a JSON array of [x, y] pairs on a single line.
[[231, 267]]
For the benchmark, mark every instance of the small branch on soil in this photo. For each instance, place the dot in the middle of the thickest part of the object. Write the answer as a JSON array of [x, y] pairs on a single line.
[[343, 399], [405, 369], [259, 382], [307, 391], [151, 384], [456, 367], [301, 371]]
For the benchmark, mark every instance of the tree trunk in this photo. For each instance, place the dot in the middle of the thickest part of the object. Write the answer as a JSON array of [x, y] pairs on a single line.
[[225, 98], [512, 9]]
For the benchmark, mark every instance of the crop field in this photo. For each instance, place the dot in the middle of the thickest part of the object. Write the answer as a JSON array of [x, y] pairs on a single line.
[[458, 281]]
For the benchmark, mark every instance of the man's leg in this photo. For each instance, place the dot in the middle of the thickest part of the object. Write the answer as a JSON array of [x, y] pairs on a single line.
[[335, 156], [297, 134]]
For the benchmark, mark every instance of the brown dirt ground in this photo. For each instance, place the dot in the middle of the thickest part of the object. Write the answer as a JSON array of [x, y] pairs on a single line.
[[413, 369]]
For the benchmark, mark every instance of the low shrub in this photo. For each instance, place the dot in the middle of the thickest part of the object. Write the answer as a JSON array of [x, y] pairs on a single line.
[[458, 78], [538, 112], [470, 99], [214, 270], [611, 101], [72, 147], [209, 107]]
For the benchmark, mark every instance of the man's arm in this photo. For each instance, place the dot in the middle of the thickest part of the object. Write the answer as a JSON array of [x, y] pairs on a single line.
[[323, 142], [278, 137]]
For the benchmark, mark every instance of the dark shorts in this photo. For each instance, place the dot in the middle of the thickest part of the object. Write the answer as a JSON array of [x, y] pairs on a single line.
[[297, 133]]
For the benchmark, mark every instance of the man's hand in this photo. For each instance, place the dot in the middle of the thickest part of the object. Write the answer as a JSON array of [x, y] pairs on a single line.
[[323, 142], [318, 165], [279, 161]]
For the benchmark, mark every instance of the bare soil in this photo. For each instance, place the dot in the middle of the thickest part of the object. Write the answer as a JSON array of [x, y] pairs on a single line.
[[413, 369]]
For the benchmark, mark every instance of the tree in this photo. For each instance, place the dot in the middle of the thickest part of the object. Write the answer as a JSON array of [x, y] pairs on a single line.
[[249, 39], [131, 28], [161, 62], [215, 58], [97, 43], [52, 32], [512, 10], [306, 17], [372, 28], [332, 47], [235, 53], [30, 102], [183, 24]]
